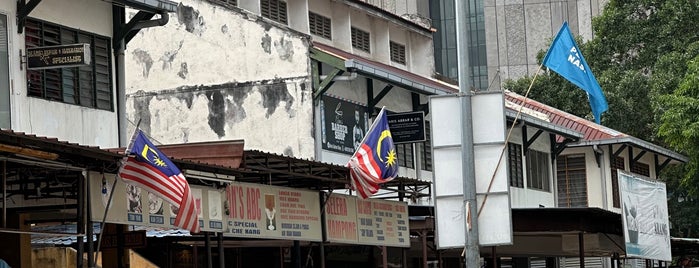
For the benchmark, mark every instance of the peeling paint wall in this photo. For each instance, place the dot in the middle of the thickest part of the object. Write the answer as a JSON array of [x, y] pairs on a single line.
[[207, 44], [214, 73]]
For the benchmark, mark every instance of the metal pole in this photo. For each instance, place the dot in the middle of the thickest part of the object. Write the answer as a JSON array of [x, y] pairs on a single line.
[[384, 257], [495, 257], [81, 221], [471, 250], [207, 245], [221, 251], [296, 255], [322, 254], [423, 237], [4, 194], [581, 249], [90, 230]]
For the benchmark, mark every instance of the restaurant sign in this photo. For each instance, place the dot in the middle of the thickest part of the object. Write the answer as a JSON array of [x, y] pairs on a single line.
[[238, 210], [49, 57], [366, 221]]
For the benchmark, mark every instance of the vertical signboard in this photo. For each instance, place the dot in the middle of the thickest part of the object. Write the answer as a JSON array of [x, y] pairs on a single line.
[[450, 213], [645, 217], [492, 187], [343, 124], [352, 220]]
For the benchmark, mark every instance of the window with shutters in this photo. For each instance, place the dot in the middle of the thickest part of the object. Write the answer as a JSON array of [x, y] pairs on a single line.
[[404, 152], [89, 86], [571, 180], [228, 2], [320, 25], [641, 169], [538, 171], [617, 163], [425, 149], [360, 40], [397, 53], [516, 174], [274, 10]]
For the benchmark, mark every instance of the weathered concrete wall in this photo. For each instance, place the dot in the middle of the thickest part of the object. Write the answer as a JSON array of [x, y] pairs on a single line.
[[214, 73]]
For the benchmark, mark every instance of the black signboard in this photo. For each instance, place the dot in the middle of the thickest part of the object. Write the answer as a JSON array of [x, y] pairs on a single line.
[[58, 56], [407, 127], [343, 124]]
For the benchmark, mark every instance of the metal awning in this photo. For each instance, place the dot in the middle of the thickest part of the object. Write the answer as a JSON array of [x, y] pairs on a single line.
[[154, 6], [637, 143]]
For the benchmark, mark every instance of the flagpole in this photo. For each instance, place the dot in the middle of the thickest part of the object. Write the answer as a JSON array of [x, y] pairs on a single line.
[[111, 193], [507, 139]]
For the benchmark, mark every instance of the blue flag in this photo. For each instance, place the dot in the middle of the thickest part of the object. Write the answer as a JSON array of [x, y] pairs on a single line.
[[565, 58]]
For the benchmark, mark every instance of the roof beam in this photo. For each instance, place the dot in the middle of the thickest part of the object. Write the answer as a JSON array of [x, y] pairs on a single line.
[[658, 166], [326, 83], [618, 151], [23, 10], [375, 100]]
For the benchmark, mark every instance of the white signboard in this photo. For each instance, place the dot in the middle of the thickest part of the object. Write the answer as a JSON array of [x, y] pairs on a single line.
[[492, 189], [645, 217]]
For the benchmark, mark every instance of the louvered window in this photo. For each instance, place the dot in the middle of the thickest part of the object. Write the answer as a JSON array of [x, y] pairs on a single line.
[[229, 2], [426, 148], [360, 40], [274, 10], [405, 156], [641, 169], [571, 181], [538, 170], [397, 53], [89, 86], [320, 25], [617, 163], [515, 171]]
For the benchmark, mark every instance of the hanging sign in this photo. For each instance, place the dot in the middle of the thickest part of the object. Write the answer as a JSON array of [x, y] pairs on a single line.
[[49, 57]]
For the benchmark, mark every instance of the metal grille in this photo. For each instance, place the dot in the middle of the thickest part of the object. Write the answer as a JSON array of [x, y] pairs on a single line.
[[320, 25], [641, 169], [617, 163], [274, 10], [89, 86], [360, 40], [571, 180], [515, 162], [397, 53]]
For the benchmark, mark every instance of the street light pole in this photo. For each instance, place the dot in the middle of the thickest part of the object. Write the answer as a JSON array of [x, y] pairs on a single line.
[[471, 249]]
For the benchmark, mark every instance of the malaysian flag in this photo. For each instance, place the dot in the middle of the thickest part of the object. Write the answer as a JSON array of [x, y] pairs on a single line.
[[375, 160], [146, 167]]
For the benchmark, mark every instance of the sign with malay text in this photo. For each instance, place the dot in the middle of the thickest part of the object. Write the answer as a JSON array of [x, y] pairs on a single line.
[[645, 217], [352, 220], [407, 127], [262, 211], [58, 56]]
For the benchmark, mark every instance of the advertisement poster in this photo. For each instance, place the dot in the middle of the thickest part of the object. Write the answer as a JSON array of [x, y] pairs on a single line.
[[135, 206], [645, 217], [343, 124], [262, 211], [352, 220]]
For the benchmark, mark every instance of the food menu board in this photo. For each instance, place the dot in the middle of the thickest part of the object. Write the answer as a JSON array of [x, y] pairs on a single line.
[[262, 211], [368, 222]]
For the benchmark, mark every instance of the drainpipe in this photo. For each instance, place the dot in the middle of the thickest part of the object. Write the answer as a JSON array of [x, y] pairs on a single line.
[[120, 44]]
